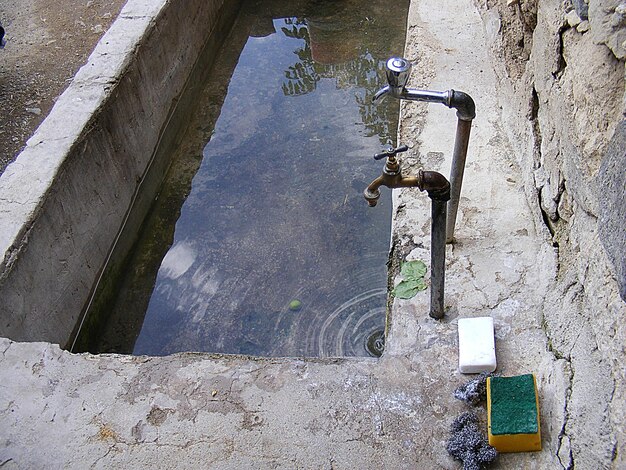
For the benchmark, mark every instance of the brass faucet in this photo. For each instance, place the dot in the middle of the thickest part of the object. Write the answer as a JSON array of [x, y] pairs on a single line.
[[433, 182], [438, 188]]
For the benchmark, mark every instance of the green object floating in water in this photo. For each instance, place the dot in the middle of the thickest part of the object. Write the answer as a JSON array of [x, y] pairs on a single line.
[[413, 273], [295, 305]]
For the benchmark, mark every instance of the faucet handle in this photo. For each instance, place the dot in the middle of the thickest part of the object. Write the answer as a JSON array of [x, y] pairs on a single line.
[[390, 152], [398, 70]]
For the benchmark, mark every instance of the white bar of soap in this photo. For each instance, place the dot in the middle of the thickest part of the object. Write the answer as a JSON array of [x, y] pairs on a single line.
[[477, 348]]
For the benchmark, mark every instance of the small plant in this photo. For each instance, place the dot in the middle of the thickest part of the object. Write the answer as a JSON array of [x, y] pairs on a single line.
[[413, 273]]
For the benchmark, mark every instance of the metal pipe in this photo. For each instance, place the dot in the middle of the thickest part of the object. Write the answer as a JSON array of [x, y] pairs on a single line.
[[398, 70], [463, 103], [438, 189], [437, 186], [459, 156], [437, 257], [427, 96]]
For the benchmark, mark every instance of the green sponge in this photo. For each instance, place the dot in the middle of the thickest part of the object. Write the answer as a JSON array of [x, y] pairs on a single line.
[[513, 413]]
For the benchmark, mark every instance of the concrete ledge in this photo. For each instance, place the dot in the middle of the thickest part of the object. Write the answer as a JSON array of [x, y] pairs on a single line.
[[65, 198]]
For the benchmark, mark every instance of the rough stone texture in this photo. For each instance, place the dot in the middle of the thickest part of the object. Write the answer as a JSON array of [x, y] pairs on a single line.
[[607, 20], [612, 200], [60, 410], [564, 117], [66, 196]]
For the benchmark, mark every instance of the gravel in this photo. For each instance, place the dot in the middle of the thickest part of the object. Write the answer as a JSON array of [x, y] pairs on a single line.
[[46, 43]]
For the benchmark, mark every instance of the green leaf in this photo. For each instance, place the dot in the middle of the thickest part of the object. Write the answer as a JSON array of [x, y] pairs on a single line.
[[413, 270], [409, 288]]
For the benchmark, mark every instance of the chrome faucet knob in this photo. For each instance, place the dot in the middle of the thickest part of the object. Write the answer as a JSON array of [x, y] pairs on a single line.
[[390, 152], [398, 70]]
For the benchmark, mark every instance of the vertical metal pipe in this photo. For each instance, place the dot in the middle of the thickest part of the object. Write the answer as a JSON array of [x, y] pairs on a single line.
[[437, 257], [461, 141]]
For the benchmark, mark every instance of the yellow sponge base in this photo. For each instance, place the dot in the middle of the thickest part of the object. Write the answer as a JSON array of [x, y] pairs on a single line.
[[514, 442]]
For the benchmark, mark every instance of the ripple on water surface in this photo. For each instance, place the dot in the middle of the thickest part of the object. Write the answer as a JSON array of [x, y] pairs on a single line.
[[273, 212]]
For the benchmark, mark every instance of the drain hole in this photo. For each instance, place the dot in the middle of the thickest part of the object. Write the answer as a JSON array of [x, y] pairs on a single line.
[[375, 344]]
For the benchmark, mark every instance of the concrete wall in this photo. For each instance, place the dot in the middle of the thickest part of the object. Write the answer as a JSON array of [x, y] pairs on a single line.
[[66, 196], [561, 66]]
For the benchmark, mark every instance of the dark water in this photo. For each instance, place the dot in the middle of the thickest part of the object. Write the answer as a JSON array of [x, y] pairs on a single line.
[[263, 204]]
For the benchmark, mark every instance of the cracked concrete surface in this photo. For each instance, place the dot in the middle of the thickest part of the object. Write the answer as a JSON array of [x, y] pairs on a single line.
[[566, 127], [61, 410]]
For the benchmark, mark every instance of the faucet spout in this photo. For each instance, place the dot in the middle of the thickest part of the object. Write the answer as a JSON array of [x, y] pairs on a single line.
[[397, 73], [381, 93], [433, 182], [437, 186], [372, 193]]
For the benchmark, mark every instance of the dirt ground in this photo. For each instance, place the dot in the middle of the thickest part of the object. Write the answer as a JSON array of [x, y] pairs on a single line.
[[47, 42]]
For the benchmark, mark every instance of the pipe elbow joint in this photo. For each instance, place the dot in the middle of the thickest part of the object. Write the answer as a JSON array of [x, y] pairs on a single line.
[[464, 105], [437, 185]]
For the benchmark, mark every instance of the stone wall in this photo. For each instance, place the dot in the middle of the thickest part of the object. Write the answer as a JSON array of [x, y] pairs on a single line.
[[561, 71]]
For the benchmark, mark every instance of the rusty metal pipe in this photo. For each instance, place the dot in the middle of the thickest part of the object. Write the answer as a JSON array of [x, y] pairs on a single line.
[[436, 184], [438, 189], [437, 257]]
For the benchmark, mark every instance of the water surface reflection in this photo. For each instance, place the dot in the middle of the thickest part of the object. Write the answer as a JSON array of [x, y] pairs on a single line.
[[271, 172]]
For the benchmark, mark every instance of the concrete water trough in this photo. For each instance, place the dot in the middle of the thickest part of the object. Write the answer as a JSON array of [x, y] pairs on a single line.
[[69, 194], [92, 168]]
